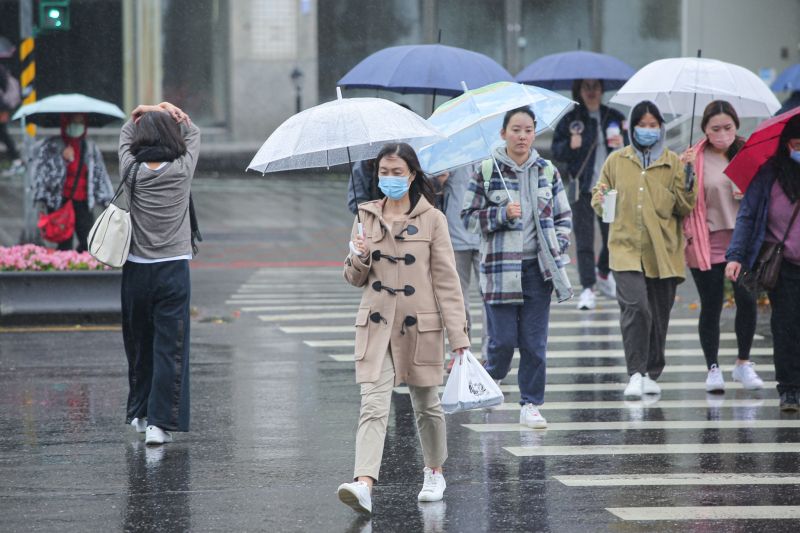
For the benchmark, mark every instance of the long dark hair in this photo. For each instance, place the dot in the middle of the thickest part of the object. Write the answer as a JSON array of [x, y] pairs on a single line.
[[576, 91], [419, 185], [158, 133], [787, 170], [639, 110], [722, 107]]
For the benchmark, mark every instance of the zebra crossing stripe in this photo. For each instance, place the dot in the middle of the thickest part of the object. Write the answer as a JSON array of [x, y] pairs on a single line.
[[568, 370], [641, 480], [639, 425], [716, 512], [598, 387], [646, 404], [648, 449]]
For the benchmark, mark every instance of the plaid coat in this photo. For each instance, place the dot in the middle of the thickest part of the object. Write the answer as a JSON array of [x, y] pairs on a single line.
[[501, 240]]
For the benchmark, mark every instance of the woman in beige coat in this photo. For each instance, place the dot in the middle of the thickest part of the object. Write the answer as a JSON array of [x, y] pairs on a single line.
[[404, 261]]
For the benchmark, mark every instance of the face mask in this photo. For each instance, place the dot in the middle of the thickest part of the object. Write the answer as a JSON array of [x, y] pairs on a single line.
[[795, 155], [646, 136], [394, 187], [75, 129], [722, 140]]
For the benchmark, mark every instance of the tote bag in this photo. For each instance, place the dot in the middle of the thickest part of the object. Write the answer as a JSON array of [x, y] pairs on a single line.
[[110, 236]]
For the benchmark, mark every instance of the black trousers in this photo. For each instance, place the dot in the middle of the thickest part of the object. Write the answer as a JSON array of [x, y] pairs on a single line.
[[155, 329], [711, 288], [5, 138], [83, 224], [583, 218], [785, 325]]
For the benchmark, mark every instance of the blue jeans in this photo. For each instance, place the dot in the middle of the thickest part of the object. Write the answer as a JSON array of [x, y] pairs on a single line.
[[524, 326]]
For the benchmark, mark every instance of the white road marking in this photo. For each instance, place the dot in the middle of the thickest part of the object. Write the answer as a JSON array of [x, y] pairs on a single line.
[[560, 324], [597, 387], [718, 401], [639, 425], [718, 512], [641, 480], [648, 449]]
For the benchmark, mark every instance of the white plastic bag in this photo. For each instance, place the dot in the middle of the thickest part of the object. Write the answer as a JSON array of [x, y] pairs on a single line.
[[470, 387]]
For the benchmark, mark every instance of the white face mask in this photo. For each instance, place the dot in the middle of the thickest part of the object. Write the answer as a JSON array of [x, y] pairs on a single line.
[[75, 129]]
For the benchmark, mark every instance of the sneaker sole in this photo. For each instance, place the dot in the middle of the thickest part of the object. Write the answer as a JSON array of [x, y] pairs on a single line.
[[790, 408], [352, 501], [429, 499], [715, 388], [536, 426], [751, 387]]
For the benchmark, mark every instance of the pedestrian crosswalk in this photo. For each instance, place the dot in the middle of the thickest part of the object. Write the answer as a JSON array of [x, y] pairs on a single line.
[[587, 415]]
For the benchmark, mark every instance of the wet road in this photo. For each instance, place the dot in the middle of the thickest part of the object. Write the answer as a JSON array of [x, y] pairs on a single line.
[[274, 408]]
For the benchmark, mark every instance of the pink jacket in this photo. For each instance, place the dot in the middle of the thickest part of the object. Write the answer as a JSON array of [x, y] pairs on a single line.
[[695, 227]]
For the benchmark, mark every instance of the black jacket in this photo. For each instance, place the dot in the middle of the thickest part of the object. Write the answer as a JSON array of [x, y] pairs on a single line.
[[574, 159]]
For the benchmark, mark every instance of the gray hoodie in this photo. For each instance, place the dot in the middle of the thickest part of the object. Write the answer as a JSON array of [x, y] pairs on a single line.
[[160, 204], [530, 245]]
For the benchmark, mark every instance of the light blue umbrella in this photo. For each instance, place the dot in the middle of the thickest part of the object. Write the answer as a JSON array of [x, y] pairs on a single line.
[[472, 122], [46, 112]]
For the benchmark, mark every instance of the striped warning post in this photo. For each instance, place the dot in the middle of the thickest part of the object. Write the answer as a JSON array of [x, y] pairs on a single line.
[[28, 77]]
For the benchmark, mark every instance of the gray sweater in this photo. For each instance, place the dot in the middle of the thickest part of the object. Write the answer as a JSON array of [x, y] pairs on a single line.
[[160, 205]]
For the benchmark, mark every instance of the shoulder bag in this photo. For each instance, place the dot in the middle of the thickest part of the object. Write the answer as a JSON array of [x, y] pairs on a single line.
[[59, 226], [110, 236], [767, 269]]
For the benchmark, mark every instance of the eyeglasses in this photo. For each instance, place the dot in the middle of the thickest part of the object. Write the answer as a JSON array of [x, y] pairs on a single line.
[[408, 258], [410, 229], [408, 290]]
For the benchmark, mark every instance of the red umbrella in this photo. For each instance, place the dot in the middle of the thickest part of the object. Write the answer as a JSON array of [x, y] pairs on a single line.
[[761, 145]]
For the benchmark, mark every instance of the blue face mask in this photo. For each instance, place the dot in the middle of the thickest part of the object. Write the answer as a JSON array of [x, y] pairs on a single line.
[[394, 187], [795, 155], [646, 136]]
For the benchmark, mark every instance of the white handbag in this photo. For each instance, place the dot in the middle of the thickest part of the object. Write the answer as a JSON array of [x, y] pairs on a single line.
[[110, 236]]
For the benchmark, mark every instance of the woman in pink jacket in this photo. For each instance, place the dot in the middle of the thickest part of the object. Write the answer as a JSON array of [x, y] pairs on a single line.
[[708, 230]]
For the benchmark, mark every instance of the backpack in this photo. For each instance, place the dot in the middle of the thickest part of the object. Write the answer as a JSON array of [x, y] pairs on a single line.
[[487, 168]]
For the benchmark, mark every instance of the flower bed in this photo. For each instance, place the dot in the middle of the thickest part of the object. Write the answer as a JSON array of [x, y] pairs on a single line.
[[29, 257]]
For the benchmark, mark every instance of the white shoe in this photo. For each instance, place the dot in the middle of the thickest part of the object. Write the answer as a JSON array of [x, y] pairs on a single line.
[[586, 301], [649, 386], [634, 388], [433, 486], [714, 381], [607, 286], [155, 435], [139, 424], [747, 376], [530, 416], [356, 495]]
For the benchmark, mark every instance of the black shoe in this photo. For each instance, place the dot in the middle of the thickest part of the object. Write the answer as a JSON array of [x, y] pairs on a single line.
[[790, 401]]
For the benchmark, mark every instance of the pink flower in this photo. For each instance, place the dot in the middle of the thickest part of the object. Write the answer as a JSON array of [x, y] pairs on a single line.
[[31, 257]]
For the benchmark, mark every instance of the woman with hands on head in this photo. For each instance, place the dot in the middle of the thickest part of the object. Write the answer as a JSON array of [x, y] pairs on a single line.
[[404, 261]]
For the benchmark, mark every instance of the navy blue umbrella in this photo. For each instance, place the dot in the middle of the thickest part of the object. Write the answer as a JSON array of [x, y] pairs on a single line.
[[424, 69], [558, 71], [788, 80]]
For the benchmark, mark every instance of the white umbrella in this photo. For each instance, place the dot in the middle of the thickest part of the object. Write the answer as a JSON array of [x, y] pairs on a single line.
[[684, 85], [341, 131], [46, 111]]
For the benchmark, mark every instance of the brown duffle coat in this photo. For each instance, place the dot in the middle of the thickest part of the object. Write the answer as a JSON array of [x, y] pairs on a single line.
[[420, 267]]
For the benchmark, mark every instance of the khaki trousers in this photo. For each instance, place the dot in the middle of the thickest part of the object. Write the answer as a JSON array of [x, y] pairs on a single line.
[[376, 399]]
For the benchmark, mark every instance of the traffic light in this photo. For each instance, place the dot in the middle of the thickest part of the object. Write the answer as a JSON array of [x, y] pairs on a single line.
[[53, 15]]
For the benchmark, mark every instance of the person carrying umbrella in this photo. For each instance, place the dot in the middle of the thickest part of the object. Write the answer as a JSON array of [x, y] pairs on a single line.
[[411, 293], [645, 240], [768, 214], [523, 241], [583, 139], [9, 100], [708, 230], [70, 166]]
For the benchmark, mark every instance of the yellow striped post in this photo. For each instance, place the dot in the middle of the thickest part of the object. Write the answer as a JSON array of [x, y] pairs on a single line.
[[28, 77]]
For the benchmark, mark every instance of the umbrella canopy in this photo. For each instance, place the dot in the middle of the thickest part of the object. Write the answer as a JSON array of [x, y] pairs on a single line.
[[673, 84], [558, 71], [341, 131], [7, 48], [788, 80], [424, 69], [472, 122], [760, 146], [46, 112]]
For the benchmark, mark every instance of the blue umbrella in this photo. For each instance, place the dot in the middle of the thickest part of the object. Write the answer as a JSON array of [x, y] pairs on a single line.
[[558, 71], [424, 69], [788, 80]]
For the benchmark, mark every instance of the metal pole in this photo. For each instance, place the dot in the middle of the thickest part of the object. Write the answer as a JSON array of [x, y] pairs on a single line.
[[27, 79]]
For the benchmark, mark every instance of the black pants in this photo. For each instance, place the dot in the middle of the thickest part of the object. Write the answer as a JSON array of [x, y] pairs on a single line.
[[83, 224], [5, 138], [583, 217], [645, 304], [785, 325], [710, 286], [155, 329]]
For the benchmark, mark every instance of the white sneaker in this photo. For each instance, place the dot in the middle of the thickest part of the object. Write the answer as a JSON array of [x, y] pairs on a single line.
[[356, 495], [634, 388], [433, 486], [586, 301], [649, 386], [139, 424], [747, 376], [607, 286], [156, 435], [714, 381], [530, 416]]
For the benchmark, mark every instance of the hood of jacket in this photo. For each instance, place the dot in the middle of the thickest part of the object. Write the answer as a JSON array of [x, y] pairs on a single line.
[[647, 155], [502, 156]]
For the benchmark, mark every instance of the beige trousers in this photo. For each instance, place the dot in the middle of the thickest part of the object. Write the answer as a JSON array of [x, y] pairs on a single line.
[[376, 399]]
